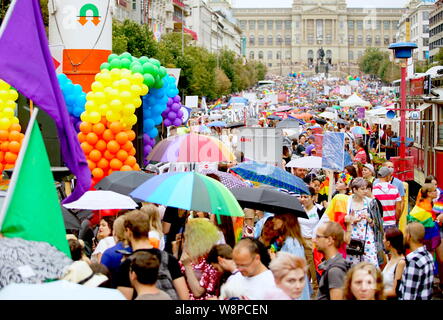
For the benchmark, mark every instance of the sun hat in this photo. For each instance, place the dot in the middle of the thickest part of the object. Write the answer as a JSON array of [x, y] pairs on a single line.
[[81, 273]]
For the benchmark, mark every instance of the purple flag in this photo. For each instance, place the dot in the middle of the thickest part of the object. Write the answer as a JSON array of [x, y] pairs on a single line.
[[26, 64]]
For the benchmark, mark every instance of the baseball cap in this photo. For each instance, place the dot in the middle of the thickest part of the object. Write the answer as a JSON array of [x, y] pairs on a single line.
[[384, 172], [370, 167]]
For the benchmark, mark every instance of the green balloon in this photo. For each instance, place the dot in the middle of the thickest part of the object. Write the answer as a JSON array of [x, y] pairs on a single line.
[[143, 59], [116, 64], [111, 57], [136, 68], [105, 65], [126, 55], [149, 68], [155, 62], [149, 80], [135, 63], [159, 84], [162, 72], [126, 63]]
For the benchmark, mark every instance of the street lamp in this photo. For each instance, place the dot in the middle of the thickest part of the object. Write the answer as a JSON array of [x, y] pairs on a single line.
[[403, 50]]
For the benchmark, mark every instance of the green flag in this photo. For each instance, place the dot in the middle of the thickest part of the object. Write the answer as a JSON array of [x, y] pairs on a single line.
[[31, 210]]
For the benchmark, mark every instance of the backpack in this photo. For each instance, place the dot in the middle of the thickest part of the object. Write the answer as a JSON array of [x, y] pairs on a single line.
[[344, 267], [164, 279]]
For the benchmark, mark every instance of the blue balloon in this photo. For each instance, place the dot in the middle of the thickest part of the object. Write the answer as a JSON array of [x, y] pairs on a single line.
[[149, 124], [153, 132], [158, 120]]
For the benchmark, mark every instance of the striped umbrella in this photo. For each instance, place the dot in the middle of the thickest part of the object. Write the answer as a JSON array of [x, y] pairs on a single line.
[[227, 179], [189, 191], [270, 175], [191, 147]]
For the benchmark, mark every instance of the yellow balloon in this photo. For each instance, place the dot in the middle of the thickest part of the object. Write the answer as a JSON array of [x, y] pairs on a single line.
[[91, 106], [90, 96], [125, 73], [97, 86], [128, 109], [137, 102], [106, 79], [99, 97], [5, 123], [10, 104], [84, 116], [4, 94], [8, 113], [95, 117], [14, 120], [13, 95], [125, 84], [136, 89], [126, 96], [132, 119], [103, 109], [145, 90], [4, 85], [137, 78], [112, 116], [115, 105]]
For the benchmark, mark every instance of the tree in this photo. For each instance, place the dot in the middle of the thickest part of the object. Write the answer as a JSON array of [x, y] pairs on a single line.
[[222, 83], [371, 61], [438, 58], [139, 40]]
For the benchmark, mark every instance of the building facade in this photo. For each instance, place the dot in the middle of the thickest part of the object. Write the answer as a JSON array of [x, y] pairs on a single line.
[[291, 39], [436, 29]]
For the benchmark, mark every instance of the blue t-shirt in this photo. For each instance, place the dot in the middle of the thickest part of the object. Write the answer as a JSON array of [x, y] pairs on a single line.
[[112, 259]]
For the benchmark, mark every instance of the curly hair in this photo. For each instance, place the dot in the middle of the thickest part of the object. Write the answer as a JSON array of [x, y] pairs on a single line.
[[373, 271], [200, 236]]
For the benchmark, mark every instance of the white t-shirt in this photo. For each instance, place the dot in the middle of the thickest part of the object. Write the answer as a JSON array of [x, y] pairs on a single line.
[[254, 288], [102, 245], [308, 225]]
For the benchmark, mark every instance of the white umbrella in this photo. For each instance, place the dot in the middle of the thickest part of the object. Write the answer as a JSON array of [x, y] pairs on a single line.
[[57, 290], [328, 115], [355, 101], [310, 162], [102, 200]]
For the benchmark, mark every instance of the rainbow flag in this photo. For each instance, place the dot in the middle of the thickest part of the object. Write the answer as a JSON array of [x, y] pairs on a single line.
[[422, 212], [238, 228], [216, 105], [438, 205], [324, 187]]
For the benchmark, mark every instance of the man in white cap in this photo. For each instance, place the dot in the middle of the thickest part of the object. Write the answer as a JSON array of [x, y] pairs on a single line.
[[390, 198]]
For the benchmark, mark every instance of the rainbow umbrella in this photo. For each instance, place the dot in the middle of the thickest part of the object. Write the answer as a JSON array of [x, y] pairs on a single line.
[[191, 147], [189, 191], [359, 130]]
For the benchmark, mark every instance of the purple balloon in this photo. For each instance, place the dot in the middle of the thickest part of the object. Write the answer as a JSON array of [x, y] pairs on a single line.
[[170, 101], [180, 114], [146, 138], [177, 99], [167, 122], [175, 107], [165, 114], [152, 142], [172, 116], [147, 149], [177, 122]]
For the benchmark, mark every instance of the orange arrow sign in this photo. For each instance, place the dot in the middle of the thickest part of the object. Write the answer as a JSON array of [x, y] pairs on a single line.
[[82, 20], [95, 20]]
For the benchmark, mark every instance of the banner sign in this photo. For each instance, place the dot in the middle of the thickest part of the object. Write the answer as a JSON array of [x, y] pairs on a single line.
[[333, 156]]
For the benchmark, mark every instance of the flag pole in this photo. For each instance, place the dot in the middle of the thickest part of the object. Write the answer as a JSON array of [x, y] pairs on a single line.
[[17, 166], [31, 106]]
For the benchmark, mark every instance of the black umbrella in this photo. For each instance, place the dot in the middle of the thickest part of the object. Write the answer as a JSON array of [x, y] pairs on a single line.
[[341, 121], [320, 121], [235, 125], [269, 200], [72, 222], [288, 123], [123, 182]]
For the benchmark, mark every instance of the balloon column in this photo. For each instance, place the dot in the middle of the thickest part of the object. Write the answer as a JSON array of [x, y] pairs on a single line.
[[10, 130], [75, 99]]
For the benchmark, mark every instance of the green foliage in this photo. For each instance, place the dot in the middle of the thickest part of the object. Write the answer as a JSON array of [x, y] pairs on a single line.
[[377, 63], [438, 58], [134, 38]]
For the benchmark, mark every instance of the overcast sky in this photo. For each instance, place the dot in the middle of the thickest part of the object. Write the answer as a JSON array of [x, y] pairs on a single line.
[[288, 3]]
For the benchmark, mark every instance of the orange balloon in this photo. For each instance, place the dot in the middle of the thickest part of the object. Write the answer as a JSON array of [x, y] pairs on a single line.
[[22, 135], [131, 134], [127, 146], [91, 164], [4, 146], [116, 127], [108, 135], [122, 155], [98, 128], [103, 163], [91, 138], [130, 161], [132, 151], [125, 168], [15, 127], [85, 127], [101, 145], [8, 166], [108, 155], [113, 146], [4, 135], [1, 167], [110, 171], [104, 121], [87, 148], [121, 138], [81, 137], [14, 146], [10, 157], [136, 167], [95, 155], [14, 136], [2, 156], [97, 173], [115, 164]]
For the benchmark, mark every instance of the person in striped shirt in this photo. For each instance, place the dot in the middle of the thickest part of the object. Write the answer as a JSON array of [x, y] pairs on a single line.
[[389, 197]]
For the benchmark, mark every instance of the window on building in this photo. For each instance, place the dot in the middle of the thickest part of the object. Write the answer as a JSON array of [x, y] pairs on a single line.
[[351, 55], [425, 28], [251, 55], [278, 25], [387, 25], [297, 24], [251, 24], [369, 40], [270, 55], [378, 25], [243, 24], [425, 42], [270, 40], [328, 38], [359, 25], [351, 24], [279, 40], [288, 24], [134, 4], [261, 40], [251, 40], [377, 40], [270, 24], [287, 40], [288, 54], [351, 40], [386, 40], [425, 15], [278, 55], [269, 64], [360, 54], [360, 40], [260, 54], [261, 24], [395, 24]]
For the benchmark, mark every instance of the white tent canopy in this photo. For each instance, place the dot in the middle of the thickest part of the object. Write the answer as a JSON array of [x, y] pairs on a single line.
[[355, 101], [377, 112]]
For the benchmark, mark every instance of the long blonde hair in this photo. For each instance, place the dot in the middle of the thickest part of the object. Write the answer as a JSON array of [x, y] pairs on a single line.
[[154, 217]]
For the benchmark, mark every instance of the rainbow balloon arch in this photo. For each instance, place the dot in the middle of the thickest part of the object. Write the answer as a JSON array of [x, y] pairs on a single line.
[[105, 116]]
